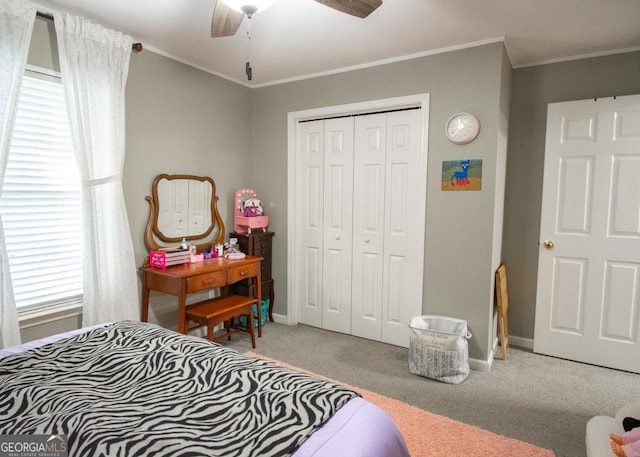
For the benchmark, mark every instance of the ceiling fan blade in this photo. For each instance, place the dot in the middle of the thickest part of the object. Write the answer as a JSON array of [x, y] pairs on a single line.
[[358, 8], [225, 21]]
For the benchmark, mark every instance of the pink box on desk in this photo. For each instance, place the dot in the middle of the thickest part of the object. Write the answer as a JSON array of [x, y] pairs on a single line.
[[163, 259]]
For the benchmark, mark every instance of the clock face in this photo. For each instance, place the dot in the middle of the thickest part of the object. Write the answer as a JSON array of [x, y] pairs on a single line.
[[462, 128]]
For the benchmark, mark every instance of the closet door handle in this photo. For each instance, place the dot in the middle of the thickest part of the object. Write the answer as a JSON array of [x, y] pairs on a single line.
[[366, 240], [337, 237]]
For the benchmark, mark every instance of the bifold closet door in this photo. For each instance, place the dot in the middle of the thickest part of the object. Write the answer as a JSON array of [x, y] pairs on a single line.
[[368, 225], [324, 198], [338, 227], [309, 209], [388, 222], [404, 225], [360, 189]]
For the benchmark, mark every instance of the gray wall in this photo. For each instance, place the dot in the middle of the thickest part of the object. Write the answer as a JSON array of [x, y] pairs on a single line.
[[181, 120], [459, 238], [532, 89], [43, 51]]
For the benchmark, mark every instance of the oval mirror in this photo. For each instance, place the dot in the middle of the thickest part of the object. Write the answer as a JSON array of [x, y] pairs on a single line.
[[183, 206]]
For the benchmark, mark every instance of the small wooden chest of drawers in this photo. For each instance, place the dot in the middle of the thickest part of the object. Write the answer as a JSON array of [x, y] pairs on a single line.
[[258, 244]]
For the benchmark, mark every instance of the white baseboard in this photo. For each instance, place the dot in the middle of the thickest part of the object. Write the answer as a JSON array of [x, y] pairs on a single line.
[[481, 365], [526, 343], [281, 319]]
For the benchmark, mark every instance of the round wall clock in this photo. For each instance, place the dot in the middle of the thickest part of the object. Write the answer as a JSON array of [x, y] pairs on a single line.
[[462, 128]]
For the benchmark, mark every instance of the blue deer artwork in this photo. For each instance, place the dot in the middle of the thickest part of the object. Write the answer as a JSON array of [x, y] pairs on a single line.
[[461, 178]]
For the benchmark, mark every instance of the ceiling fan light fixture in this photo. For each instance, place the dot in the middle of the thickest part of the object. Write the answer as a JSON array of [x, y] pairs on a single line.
[[249, 7]]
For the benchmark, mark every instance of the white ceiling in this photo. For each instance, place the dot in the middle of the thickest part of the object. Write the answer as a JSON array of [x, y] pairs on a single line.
[[297, 38]]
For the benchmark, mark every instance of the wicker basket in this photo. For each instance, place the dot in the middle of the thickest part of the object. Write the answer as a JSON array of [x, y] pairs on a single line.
[[438, 348]]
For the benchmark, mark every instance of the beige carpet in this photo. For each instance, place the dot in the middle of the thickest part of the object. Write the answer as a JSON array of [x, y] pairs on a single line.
[[431, 435]]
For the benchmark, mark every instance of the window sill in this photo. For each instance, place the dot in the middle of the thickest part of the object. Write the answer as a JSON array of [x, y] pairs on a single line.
[[48, 313]]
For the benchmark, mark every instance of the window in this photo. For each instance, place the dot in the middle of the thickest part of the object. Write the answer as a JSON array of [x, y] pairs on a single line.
[[40, 201]]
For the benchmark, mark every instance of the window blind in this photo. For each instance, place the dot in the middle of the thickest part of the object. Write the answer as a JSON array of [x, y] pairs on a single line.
[[41, 200]]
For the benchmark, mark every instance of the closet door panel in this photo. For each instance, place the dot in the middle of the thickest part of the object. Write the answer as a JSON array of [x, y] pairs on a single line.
[[368, 225], [309, 224], [405, 194], [360, 196], [338, 227]]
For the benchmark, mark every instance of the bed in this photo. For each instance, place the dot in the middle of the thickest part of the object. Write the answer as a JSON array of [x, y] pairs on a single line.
[[131, 388]]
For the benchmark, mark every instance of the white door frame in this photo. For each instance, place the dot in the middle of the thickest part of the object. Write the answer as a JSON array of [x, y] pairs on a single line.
[[421, 100]]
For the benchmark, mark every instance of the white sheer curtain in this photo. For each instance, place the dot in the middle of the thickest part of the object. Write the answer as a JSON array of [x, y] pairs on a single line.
[[16, 25], [94, 63]]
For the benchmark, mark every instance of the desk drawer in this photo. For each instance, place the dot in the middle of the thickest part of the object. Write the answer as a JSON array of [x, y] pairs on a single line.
[[206, 281], [242, 272]]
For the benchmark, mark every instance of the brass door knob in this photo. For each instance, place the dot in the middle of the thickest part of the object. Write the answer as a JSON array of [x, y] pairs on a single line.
[[548, 244]]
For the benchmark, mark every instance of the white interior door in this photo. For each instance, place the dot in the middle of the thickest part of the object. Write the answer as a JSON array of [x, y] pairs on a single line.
[[338, 231], [309, 227], [588, 296]]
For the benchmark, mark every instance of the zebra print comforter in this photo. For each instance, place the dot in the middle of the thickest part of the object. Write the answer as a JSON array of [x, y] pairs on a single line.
[[133, 389]]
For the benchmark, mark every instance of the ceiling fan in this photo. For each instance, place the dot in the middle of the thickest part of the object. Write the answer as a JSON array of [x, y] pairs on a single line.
[[228, 14]]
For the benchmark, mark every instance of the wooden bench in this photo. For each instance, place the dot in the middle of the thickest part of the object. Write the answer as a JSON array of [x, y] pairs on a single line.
[[223, 309]]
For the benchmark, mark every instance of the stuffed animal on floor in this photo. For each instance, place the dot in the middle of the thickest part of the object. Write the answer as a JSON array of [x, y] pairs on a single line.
[[627, 444]]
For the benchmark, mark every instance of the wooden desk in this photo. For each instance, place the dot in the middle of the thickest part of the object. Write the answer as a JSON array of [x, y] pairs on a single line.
[[182, 280]]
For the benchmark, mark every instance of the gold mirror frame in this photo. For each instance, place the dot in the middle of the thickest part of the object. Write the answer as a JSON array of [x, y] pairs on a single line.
[[203, 240]]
